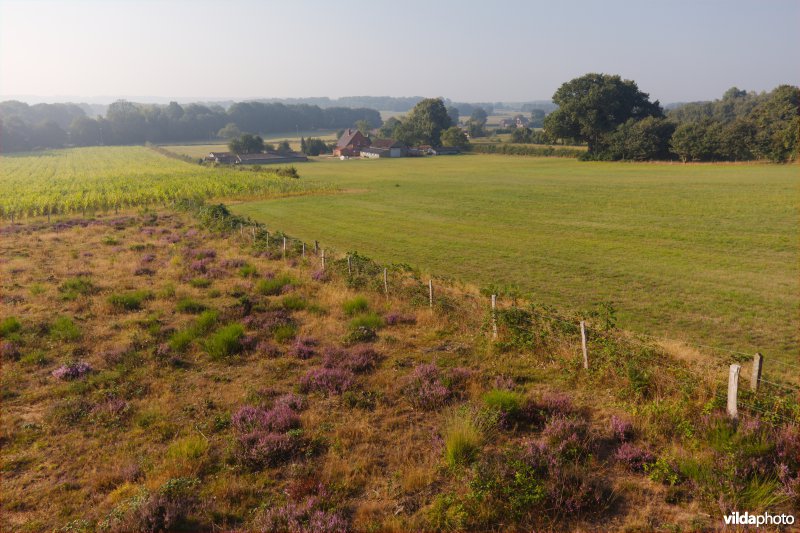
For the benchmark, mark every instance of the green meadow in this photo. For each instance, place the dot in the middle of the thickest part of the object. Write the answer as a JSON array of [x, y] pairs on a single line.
[[701, 253]]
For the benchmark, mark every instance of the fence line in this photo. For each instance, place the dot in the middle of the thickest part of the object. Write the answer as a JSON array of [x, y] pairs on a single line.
[[733, 399]]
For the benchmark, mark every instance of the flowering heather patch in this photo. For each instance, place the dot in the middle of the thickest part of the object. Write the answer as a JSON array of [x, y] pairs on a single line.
[[268, 349], [633, 457], [567, 437], [557, 404], [72, 371], [171, 239], [233, 263], [394, 319], [621, 428], [200, 265], [425, 388], [147, 258], [327, 380], [290, 400], [268, 321], [267, 436], [248, 342], [319, 275], [359, 359], [304, 347], [197, 253], [144, 271], [312, 515], [191, 233], [504, 383], [113, 356], [9, 350]]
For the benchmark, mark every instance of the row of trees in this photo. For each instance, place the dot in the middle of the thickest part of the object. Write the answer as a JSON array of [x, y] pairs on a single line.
[[26, 127], [618, 121]]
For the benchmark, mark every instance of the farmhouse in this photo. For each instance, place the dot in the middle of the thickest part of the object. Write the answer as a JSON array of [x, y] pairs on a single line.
[[226, 158], [385, 148], [269, 158], [350, 143]]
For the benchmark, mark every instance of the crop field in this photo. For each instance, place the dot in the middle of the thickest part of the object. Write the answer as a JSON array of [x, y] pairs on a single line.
[[111, 178], [201, 150], [702, 253]]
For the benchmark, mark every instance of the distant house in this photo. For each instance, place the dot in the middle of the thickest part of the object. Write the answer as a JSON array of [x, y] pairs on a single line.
[[444, 150], [385, 148], [225, 158], [350, 143], [270, 158]]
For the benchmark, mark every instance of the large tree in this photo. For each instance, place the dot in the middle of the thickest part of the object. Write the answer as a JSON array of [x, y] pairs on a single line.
[[425, 123], [246, 144], [594, 105]]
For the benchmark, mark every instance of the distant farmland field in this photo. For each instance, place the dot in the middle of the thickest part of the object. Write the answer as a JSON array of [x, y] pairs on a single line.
[[110, 178], [702, 253]]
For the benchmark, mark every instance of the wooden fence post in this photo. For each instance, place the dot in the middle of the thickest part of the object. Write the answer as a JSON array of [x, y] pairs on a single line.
[[755, 379], [349, 268], [494, 316], [284, 247], [304, 249], [583, 345], [253, 228], [385, 283], [733, 391], [430, 293], [323, 259], [316, 247]]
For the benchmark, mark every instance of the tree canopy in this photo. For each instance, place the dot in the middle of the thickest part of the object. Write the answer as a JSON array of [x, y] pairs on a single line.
[[594, 105], [246, 144], [425, 123]]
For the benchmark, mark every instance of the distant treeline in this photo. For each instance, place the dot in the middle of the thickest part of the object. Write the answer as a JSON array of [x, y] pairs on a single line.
[[24, 127], [619, 122]]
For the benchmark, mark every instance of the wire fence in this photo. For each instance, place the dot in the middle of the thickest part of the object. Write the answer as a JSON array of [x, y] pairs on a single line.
[[714, 370]]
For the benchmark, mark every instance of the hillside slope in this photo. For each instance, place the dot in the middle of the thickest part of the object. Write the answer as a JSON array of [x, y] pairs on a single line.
[[185, 370]]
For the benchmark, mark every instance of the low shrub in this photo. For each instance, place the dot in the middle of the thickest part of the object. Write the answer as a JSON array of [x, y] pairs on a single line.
[[266, 437], [635, 458], [357, 305], [9, 325], [188, 305], [568, 437], [129, 301], [225, 342], [64, 329], [371, 321], [293, 302], [358, 359], [425, 389], [395, 319], [304, 347], [312, 515], [621, 429], [9, 351], [284, 332], [248, 271], [72, 371], [327, 380], [200, 283], [274, 286], [74, 287], [360, 334]]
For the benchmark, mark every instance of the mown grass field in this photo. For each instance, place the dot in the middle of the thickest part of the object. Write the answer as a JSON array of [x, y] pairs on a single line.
[[702, 253]]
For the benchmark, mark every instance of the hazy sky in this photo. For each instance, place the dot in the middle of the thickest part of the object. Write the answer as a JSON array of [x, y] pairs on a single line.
[[464, 50]]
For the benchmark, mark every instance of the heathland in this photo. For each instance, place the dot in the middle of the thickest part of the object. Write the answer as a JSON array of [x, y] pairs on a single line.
[[169, 371], [705, 253]]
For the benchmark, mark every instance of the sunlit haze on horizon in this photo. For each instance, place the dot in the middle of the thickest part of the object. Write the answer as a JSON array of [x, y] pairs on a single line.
[[465, 51]]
